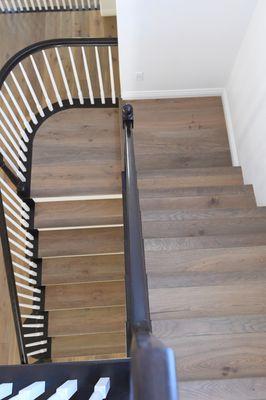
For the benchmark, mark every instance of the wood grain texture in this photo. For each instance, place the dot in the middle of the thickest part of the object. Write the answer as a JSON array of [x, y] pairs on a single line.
[[85, 295], [208, 301], [213, 201], [224, 389], [205, 250], [204, 227], [219, 356], [60, 214], [88, 345], [81, 241], [189, 177], [77, 152], [86, 321], [26, 29], [220, 260], [150, 192], [64, 270], [180, 133]]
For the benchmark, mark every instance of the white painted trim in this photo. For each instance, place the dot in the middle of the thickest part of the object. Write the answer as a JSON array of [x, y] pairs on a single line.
[[77, 198], [66, 228], [230, 129], [167, 94], [85, 255]]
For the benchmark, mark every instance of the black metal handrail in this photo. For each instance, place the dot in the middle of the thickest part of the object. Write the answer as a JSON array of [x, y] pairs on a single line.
[[153, 373], [46, 44], [23, 187], [12, 285]]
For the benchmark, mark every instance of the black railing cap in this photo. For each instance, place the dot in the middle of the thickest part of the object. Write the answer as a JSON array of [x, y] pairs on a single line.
[[128, 116]]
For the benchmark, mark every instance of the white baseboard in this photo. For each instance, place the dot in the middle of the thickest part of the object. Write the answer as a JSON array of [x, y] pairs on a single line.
[[167, 94], [230, 129]]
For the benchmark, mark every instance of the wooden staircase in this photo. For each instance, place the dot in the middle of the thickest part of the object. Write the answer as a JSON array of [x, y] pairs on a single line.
[[83, 274], [205, 250]]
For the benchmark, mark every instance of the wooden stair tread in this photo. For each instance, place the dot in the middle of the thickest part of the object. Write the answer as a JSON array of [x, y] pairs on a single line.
[[204, 214], [208, 300], [86, 321], [182, 159], [157, 192], [59, 214], [202, 242], [84, 295], [63, 270], [204, 227], [183, 172], [189, 177], [224, 389], [89, 345], [109, 356], [219, 356], [80, 241], [212, 201], [206, 260]]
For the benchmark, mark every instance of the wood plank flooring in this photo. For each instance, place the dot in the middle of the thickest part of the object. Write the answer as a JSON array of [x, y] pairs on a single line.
[[205, 249], [77, 152]]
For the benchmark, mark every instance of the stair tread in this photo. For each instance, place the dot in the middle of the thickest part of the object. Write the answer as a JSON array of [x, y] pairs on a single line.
[[189, 177], [78, 213], [218, 356], [63, 270], [80, 241], [89, 345], [86, 321], [214, 260], [208, 301], [157, 192], [182, 172], [201, 201], [84, 295], [224, 389], [204, 213], [204, 227]]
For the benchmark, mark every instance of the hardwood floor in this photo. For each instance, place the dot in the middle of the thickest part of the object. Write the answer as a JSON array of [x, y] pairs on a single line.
[[205, 249], [21, 30], [77, 152]]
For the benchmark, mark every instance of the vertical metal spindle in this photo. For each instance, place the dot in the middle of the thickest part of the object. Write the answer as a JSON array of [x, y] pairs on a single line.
[[58, 97]]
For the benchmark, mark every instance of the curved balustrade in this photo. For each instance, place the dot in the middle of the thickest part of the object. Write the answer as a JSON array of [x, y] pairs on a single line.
[[48, 77], [35, 83], [22, 6]]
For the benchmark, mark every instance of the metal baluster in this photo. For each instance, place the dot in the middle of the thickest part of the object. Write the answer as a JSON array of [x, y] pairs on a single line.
[[70, 99]]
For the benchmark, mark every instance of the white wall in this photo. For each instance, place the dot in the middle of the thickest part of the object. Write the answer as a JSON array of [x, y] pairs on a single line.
[[246, 92], [179, 44]]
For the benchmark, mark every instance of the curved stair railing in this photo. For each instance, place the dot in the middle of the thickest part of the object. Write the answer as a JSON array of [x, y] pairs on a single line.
[[35, 83], [26, 6]]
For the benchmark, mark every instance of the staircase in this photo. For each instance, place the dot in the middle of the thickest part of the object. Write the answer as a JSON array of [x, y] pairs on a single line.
[[205, 250], [83, 276]]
